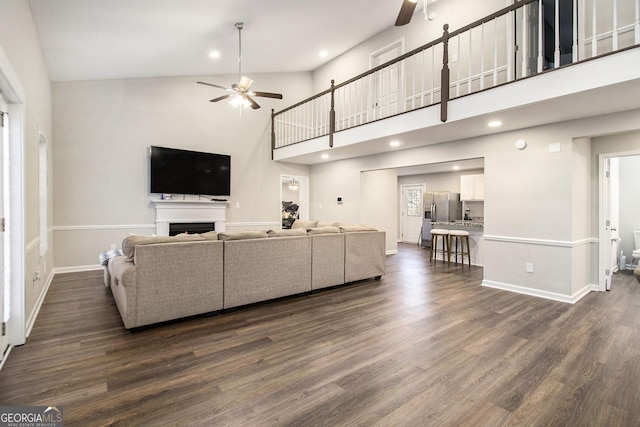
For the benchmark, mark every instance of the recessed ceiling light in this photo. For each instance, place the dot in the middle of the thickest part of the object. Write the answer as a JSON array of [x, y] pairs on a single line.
[[394, 143], [325, 156], [323, 54], [456, 168], [214, 54], [495, 123]]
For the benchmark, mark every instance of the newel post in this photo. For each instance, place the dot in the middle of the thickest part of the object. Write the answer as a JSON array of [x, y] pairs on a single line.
[[273, 132], [444, 80], [332, 114]]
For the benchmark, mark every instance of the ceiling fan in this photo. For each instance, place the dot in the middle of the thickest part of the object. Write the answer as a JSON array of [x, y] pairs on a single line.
[[407, 9], [241, 89], [406, 12]]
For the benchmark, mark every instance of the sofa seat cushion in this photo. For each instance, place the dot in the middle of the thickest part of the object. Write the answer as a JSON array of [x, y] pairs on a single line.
[[243, 235]]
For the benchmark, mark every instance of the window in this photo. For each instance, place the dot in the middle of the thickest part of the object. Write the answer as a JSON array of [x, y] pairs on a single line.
[[44, 195]]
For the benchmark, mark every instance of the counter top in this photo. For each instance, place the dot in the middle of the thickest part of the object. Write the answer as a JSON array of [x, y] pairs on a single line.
[[461, 223]]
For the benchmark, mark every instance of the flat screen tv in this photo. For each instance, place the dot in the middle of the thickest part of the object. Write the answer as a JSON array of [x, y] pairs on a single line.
[[176, 171]]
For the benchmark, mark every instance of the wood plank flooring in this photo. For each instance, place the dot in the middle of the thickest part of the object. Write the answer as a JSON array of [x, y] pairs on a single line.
[[424, 346]]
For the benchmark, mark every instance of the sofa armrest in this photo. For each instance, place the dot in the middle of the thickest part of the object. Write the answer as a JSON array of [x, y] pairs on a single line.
[[365, 255]]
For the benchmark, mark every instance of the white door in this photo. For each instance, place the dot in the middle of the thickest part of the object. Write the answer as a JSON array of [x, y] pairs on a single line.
[[605, 234], [387, 93], [4, 291], [411, 213]]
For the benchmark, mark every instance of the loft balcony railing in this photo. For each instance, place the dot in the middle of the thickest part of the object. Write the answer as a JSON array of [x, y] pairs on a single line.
[[524, 39]]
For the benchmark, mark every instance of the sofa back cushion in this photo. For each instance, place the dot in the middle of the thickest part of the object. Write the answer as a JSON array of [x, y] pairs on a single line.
[[242, 235], [299, 223], [287, 233], [323, 230], [130, 242]]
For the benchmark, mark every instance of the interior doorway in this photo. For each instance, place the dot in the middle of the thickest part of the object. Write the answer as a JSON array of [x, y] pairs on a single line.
[[619, 213], [294, 199], [411, 213], [387, 96], [5, 291]]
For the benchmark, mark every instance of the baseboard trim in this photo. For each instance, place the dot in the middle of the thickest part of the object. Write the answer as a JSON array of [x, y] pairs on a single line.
[[392, 252], [569, 299], [34, 314], [5, 356], [77, 269]]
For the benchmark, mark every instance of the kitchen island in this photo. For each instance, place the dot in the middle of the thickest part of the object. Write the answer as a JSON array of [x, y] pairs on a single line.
[[475, 229]]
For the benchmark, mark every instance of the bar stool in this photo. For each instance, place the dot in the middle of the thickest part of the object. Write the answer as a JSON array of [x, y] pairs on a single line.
[[461, 236], [442, 235]]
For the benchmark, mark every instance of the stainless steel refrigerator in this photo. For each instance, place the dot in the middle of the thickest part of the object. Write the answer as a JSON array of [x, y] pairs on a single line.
[[439, 206]]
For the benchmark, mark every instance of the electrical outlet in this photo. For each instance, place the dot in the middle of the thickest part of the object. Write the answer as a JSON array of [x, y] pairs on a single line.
[[113, 246], [237, 204], [529, 267]]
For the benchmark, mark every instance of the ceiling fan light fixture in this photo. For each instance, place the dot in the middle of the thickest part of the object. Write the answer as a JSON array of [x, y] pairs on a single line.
[[239, 102]]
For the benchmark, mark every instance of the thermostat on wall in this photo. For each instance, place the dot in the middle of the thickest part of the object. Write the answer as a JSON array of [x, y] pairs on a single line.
[[339, 200]]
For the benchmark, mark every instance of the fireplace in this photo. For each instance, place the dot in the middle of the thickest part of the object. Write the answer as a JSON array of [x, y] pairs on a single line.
[[177, 214], [190, 227]]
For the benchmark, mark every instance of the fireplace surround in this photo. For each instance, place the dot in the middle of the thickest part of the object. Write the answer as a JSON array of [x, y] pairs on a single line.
[[197, 213]]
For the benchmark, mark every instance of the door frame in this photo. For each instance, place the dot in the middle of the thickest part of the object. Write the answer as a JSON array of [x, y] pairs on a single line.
[[303, 192], [401, 208], [373, 89], [15, 97], [604, 230]]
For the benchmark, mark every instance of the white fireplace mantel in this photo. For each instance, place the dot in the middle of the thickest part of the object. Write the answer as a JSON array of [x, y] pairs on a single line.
[[177, 211]]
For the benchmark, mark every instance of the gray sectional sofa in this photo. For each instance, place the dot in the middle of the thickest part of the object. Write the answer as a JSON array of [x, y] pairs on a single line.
[[166, 278]]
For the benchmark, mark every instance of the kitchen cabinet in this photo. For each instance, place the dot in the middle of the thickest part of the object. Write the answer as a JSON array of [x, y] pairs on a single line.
[[472, 187]]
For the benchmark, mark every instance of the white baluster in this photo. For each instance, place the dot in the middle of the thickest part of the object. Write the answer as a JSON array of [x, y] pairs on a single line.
[[594, 36], [495, 52], [574, 50], [540, 38], [525, 40], [614, 34], [556, 23]]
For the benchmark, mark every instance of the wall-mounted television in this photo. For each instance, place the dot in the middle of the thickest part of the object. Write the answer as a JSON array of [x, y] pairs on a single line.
[[175, 171]]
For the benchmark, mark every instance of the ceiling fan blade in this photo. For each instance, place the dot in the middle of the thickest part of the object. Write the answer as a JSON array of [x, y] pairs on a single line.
[[220, 98], [268, 95], [406, 11], [253, 103], [245, 82], [211, 84]]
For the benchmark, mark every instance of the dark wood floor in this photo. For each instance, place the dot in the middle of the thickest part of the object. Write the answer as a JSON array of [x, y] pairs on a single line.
[[426, 345]]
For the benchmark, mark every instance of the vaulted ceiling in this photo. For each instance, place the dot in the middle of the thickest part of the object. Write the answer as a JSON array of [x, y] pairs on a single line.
[[97, 39]]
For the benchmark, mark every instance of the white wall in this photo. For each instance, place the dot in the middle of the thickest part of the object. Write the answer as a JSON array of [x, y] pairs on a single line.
[[415, 34], [379, 192], [537, 202], [20, 43], [103, 130]]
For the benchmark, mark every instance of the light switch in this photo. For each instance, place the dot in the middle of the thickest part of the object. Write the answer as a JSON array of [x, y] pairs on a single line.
[[237, 204]]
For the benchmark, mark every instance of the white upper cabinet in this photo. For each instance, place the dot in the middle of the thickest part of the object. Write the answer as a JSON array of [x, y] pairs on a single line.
[[472, 187]]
